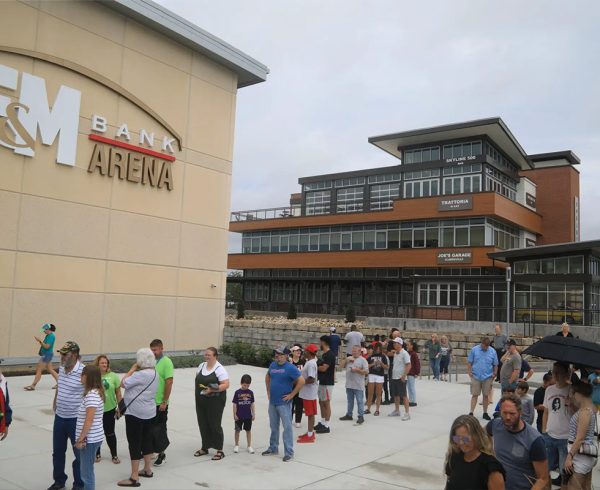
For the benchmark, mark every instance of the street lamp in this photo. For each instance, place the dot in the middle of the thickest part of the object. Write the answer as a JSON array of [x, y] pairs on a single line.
[[508, 278]]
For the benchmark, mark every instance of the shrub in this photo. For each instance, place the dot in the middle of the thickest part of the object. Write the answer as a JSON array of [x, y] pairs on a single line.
[[292, 313], [240, 310], [264, 356], [350, 315], [225, 349]]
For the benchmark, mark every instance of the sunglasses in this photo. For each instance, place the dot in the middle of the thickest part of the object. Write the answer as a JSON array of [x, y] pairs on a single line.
[[461, 439]]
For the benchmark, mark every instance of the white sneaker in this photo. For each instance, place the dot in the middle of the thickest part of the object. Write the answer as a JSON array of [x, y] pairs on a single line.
[[297, 425], [250, 450], [236, 449], [406, 417], [395, 413]]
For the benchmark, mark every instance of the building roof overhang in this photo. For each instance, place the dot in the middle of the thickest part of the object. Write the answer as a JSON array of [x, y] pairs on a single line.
[[494, 128], [592, 246], [160, 19]]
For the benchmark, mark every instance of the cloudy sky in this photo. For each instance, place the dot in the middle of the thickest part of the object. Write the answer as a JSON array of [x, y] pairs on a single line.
[[344, 70]]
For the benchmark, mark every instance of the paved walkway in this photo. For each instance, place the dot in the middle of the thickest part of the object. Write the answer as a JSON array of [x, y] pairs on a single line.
[[383, 453]]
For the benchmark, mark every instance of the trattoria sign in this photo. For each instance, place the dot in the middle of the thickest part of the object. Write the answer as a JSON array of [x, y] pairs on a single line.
[[457, 204], [26, 115]]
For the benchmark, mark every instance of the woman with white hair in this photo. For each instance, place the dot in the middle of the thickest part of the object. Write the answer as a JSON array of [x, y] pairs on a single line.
[[140, 384]]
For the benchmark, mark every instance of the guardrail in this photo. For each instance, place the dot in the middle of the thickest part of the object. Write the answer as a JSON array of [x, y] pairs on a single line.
[[269, 213]]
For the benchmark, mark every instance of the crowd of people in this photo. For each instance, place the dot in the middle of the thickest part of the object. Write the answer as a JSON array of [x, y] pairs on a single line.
[[513, 450]]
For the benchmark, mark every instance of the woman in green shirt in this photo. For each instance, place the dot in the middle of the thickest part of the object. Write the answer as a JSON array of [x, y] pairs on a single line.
[[112, 397]]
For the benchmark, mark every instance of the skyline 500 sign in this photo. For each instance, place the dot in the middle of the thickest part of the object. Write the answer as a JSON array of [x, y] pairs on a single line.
[[26, 113]]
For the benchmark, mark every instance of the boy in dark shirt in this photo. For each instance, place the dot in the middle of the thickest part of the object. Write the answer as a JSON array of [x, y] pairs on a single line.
[[243, 412], [538, 400]]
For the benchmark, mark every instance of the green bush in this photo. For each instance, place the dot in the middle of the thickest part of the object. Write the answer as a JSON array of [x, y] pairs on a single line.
[[292, 313], [241, 313], [350, 315], [264, 356], [225, 349]]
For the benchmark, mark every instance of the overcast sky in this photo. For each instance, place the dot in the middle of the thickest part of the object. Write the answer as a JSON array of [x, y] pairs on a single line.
[[344, 70]]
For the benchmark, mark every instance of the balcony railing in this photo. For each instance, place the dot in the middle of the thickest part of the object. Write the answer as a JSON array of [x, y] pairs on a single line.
[[269, 213]]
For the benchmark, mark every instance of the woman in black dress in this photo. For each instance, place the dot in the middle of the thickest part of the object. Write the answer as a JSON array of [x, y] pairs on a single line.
[[297, 359], [212, 381], [470, 462]]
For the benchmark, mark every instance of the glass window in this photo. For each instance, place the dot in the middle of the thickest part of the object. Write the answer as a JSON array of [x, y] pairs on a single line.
[[393, 239], [334, 241], [447, 237], [432, 238], [318, 202], [357, 240], [418, 238], [346, 241], [350, 199], [383, 195], [324, 242], [461, 236], [369, 238], [406, 239], [548, 266], [303, 243], [477, 236], [381, 239], [561, 265], [576, 265]]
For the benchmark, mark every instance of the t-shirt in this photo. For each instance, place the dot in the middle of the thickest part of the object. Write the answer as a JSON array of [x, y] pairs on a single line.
[[555, 401], [327, 378], [334, 343], [69, 392], [525, 368], [310, 391], [356, 381], [164, 371], [516, 451], [482, 362], [433, 349], [463, 475], [445, 350], [220, 371], [353, 338], [596, 387], [243, 400], [282, 381], [48, 339], [513, 362], [499, 342], [144, 382], [401, 359], [111, 383], [377, 360], [538, 399], [527, 411], [96, 432], [298, 364]]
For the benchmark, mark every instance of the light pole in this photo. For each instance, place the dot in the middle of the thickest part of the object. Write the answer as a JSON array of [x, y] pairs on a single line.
[[508, 278]]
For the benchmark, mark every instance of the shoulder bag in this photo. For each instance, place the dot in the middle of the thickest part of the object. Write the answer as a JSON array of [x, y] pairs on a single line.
[[590, 448], [122, 408]]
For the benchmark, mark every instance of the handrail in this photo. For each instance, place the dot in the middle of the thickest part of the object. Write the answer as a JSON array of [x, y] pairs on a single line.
[[267, 213]]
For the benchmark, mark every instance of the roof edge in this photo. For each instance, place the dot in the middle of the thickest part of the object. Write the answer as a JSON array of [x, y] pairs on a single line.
[[149, 13], [568, 155]]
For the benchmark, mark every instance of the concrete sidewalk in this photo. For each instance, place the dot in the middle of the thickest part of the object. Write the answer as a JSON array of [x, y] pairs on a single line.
[[383, 453]]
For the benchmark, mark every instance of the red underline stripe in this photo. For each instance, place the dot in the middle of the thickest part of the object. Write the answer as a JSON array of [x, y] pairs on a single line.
[[139, 149]]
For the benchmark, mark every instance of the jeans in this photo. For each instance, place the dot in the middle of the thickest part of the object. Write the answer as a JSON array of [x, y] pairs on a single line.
[[63, 431], [434, 364], [87, 458], [281, 413], [412, 391], [351, 394], [557, 452]]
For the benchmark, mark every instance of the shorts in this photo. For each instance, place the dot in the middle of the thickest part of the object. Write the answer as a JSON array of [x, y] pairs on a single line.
[[325, 392], [310, 407], [375, 378], [505, 384], [478, 387], [245, 424], [398, 388], [47, 357]]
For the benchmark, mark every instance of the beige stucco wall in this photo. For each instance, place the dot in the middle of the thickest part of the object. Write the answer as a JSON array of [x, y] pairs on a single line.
[[114, 263]]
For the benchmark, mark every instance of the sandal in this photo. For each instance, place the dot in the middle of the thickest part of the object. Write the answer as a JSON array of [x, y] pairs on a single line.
[[145, 474], [218, 456], [98, 458], [200, 452], [29, 388], [116, 460], [130, 482], [376, 413], [367, 411]]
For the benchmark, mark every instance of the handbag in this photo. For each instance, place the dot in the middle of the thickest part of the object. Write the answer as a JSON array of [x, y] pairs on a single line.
[[123, 406], [590, 448]]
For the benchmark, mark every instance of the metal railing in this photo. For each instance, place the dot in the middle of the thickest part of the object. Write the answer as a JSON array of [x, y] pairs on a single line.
[[269, 213]]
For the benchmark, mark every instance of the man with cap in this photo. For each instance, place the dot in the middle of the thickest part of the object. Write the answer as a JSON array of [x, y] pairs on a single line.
[[511, 365], [67, 398], [283, 383], [357, 368], [400, 370], [309, 392]]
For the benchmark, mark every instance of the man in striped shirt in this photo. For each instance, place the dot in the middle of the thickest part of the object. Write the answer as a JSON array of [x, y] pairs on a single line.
[[67, 399]]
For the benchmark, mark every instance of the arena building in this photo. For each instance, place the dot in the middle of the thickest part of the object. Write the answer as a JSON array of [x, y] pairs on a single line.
[[116, 137]]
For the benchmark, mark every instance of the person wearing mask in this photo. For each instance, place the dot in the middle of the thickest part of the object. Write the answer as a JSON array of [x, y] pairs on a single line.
[[309, 393], [283, 382], [5, 410], [111, 384], [519, 448], [46, 352], [297, 405], [67, 400], [415, 371], [89, 433], [564, 331], [434, 350], [211, 384], [582, 447], [165, 372], [470, 462], [445, 357], [326, 367], [482, 364], [511, 365], [140, 385], [356, 370], [555, 423], [378, 364], [538, 400]]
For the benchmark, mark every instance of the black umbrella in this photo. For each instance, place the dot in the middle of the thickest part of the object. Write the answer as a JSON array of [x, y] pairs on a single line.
[[566, 349]]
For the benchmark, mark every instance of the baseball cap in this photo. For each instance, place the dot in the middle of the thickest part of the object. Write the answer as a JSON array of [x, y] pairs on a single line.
[[332, 329], [398, 340], [511, 342], [69, 346], [312, 348], [282, 349]]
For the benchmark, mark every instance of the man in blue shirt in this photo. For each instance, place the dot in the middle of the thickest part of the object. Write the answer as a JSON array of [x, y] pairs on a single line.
[[283, 382], [482, 367], [334, 341]]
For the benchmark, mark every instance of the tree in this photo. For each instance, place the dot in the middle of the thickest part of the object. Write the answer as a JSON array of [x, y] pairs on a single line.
[[350, 315], [240, 310], [292, 313]]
